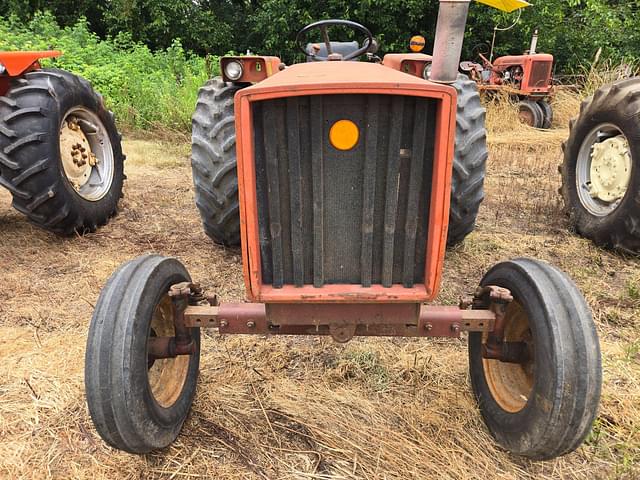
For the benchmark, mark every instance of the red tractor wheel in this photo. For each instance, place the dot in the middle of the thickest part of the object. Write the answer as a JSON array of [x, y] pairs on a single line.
[[544, 405], [530, 113]]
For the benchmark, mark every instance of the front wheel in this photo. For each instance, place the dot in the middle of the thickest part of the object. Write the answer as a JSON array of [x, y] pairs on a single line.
[[138, 402], [531, 113], [544, 406]]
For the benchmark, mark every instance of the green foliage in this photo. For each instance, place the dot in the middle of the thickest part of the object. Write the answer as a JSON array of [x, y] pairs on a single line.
[[572, 30], [137, 52], [145, 89]]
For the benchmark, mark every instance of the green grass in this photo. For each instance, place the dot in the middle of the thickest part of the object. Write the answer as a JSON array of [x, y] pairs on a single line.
[[146, 90]]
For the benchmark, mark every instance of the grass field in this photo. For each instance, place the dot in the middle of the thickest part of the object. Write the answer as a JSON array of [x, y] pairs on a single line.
[[294, 408]]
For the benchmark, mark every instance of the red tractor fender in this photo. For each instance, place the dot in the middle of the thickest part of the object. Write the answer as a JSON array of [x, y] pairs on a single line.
[[17, 63]]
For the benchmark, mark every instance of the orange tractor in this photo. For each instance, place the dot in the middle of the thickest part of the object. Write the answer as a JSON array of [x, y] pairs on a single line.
[[60, 152], [339, 175]]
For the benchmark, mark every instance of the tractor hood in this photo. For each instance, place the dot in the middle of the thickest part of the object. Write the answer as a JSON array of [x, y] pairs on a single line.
[[520, 59], [340, 75]]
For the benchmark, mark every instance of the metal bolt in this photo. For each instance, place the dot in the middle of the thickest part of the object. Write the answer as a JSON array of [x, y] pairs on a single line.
[[428, 327], [455, 328], [224, 323], [251, 324]]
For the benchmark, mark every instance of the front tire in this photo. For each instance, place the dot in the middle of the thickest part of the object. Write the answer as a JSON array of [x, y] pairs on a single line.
[[531, 113], [544, 407], [138, 405], [60, 152], [601, 167]]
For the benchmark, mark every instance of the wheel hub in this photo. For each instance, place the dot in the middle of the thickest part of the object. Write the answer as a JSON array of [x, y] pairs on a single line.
[[75, 150], [610, 169], [511, 384]]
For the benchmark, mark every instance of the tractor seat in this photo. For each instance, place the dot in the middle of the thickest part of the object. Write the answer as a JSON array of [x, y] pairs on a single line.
[[343, 48]]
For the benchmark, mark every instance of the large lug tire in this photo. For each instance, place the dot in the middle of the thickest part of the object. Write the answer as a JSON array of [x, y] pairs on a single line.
[[547, 114], [137, 405], [545, 407], [215, 176], [213, 162], [36, 141], [611, 220], [469, 162]]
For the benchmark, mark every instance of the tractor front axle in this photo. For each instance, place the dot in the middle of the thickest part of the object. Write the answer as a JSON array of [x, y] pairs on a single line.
[[340, 321]]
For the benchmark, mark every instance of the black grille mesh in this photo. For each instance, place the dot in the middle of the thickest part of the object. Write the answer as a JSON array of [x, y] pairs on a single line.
[[343, 217]]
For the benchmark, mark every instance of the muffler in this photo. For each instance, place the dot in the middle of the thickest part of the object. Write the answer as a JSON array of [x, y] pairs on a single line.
[[452, 20]]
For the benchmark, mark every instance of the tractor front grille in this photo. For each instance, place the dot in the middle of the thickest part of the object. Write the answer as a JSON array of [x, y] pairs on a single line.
[[328, 216], [540, 74]]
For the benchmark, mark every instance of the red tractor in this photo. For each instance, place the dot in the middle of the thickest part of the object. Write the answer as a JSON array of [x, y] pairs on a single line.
[[60, 152], [339, 175], [527, 78]]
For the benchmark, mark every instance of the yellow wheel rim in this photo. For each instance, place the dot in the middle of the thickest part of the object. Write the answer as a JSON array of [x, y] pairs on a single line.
[[167, 376], [511, 384]]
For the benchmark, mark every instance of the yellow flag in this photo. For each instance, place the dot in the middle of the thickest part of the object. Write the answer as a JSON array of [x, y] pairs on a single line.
[[506, 5]]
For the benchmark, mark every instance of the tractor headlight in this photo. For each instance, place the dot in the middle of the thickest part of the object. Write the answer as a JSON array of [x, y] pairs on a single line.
[[426, 73], [2, 69], [233, 70]]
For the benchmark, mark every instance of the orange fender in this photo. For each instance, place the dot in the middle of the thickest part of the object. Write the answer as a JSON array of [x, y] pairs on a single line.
[[17, 63]]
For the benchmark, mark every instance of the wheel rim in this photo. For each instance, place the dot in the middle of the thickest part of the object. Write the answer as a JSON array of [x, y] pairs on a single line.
[[603, 169], [511, 384], [86, 153], [166, 376], [526, 116]]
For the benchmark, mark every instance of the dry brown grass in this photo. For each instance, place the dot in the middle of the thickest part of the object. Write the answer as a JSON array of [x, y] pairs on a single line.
[[293, 408]]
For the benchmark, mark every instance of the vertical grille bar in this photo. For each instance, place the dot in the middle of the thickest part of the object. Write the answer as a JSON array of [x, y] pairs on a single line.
[[391, 194], [295, 187], [369, 189], [317, 160], [275, 227], [413, 197]]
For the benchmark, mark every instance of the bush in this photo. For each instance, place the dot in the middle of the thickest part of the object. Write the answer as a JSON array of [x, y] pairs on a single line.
[[146, 90]]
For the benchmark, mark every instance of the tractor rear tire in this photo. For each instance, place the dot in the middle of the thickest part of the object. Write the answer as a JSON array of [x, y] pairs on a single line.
[[615, 111], [213, 162], [33, 113], [137, 404], [544, 407], [530, 113], [469, 162]]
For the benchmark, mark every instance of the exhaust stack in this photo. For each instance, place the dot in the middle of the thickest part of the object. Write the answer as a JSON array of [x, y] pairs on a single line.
[[452, 20], [534, 43]]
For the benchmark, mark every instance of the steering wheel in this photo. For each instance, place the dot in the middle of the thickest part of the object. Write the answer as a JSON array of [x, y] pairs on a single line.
[[322, 26]]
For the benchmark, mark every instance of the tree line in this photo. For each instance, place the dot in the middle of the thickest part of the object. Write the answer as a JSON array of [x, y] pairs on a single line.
[[572, 30]]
